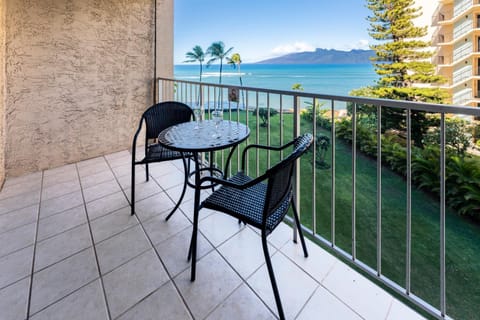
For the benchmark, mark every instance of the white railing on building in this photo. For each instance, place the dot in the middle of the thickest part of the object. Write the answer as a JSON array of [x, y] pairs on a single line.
[[462, 28], [461, 97], [463, 51], [462, 74], [461, 6]]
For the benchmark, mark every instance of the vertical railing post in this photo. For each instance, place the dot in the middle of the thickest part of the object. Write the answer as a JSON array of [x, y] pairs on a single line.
[[332, 212], [409, 205], [247, 162], [379, 190], [314, 163], [354, 180], [257, 135], [443, 298], [160, 90], [281, 124], [296, 133], [268, 130]]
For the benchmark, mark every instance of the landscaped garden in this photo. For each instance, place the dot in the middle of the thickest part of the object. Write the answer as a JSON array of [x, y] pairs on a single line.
[[462, 232]]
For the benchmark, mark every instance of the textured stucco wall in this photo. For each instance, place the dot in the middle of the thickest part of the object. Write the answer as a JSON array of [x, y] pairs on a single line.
[[79, 73], [2, 92]]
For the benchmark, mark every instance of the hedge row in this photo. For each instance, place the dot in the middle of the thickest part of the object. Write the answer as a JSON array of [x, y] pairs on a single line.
[[462, 170]]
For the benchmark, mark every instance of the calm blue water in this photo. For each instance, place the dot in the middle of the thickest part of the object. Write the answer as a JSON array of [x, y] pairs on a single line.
[[324, 79]]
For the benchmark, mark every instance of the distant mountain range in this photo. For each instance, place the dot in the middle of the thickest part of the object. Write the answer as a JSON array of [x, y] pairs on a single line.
[[323, 56]]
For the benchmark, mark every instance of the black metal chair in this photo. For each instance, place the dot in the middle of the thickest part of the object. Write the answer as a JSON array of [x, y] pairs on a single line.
[[262, 202], [157, 118]]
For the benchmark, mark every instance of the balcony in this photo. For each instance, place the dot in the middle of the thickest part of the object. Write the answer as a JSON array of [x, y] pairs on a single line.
[[69, 248], [73, 221], [326, 199], [92, 260]]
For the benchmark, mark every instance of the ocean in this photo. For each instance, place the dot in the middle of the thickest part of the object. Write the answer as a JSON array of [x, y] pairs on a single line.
[[331, 79]]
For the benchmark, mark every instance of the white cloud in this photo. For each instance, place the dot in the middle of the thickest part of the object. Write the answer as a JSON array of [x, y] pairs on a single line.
[[360, 44], [291, 48]]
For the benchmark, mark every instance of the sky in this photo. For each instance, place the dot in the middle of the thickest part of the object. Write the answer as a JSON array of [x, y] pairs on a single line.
[[262, 29]]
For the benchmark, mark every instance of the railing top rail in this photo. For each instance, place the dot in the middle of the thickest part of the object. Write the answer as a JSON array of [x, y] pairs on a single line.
[[401, 104]]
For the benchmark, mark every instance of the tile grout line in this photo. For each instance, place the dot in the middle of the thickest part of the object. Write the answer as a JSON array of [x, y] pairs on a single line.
[[29, 301], [166, 270], [152, 247], [19, 226], [243, 281], [159, 258], [93, 244]]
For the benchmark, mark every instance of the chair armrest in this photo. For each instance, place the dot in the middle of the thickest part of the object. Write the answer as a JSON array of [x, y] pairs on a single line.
[[134, 143], [264, 147], [231, 184]]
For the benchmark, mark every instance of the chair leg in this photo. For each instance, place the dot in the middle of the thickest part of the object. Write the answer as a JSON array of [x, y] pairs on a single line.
[[281, 315], [183, 191], [299, 228], [132, 197], [196, 209], [146, 172]]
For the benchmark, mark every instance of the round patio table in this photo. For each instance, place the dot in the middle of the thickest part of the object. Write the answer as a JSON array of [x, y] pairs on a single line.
[[204, 136]]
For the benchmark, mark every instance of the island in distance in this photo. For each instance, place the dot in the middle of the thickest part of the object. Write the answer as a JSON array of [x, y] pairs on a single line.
[[324, 56]]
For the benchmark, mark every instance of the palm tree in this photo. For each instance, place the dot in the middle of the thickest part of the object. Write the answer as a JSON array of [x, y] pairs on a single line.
[[235, 60], [297, 87], [195, 55], [217, 52]]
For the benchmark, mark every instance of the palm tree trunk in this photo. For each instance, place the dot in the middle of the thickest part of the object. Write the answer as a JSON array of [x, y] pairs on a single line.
[[220, 79], [241, 86]]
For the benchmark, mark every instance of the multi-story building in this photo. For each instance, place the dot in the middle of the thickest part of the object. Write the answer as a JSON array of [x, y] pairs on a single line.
[[457, 38]]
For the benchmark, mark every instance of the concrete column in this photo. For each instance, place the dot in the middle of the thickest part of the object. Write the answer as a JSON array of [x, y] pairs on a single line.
[[2, 92], [164, 44]]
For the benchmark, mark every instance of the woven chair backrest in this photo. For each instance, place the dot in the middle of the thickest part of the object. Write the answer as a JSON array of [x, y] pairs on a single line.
[[279, 189], [165, 114]]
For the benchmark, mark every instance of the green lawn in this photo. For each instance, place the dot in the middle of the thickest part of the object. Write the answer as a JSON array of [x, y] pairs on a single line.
[[463, 236]]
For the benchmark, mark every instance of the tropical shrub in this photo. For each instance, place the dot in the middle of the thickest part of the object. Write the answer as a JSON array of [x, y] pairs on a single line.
[[457, 136], [463, 185], [264, 114], [322, 146], [321, 115], [462, 176]]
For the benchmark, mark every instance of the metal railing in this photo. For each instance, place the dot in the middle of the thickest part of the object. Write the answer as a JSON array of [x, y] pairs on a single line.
[[323, 213], [463, 28], [462, 96], [463, 51], [461, 6], [462, 74]]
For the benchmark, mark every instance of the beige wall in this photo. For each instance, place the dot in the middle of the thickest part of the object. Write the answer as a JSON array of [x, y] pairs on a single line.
[[2, 91], [425, 20], [78, 75]]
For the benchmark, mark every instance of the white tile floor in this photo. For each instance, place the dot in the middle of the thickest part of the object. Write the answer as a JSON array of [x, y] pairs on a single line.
[[70, 250]]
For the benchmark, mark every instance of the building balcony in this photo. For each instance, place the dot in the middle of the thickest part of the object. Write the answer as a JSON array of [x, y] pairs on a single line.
[[464, 7]]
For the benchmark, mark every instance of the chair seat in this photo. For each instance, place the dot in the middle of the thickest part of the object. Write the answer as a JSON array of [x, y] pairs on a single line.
[[156, 152], [246, 204]]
